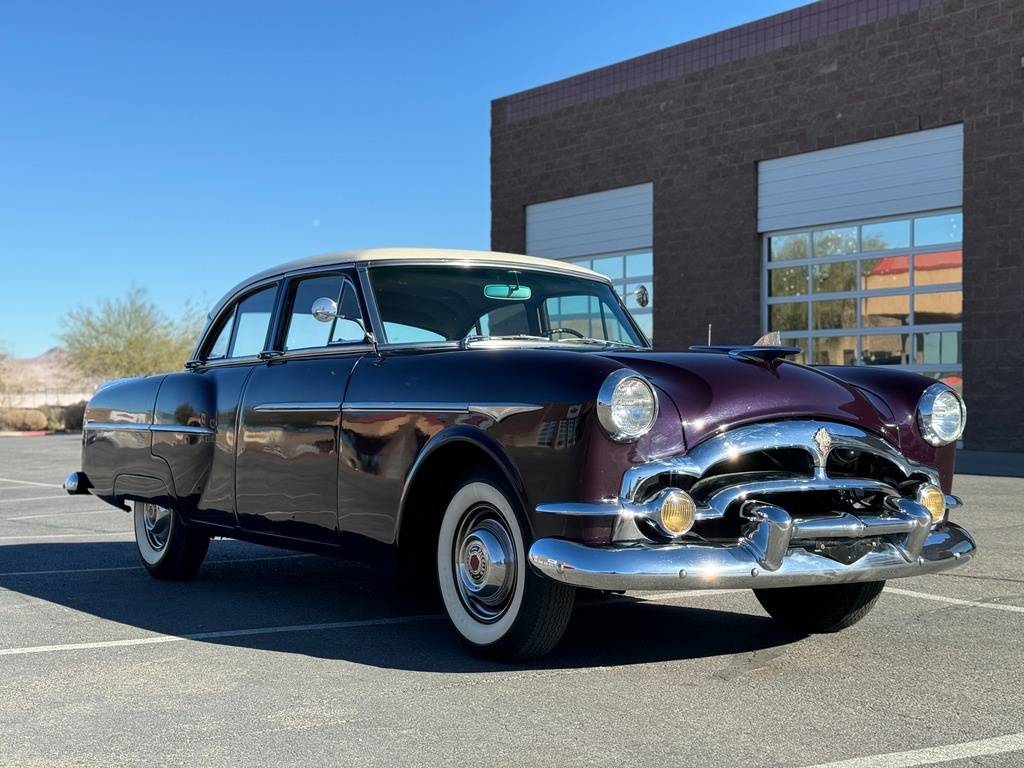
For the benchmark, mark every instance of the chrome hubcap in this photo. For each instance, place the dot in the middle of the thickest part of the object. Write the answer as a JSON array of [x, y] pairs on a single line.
[[156, 521], [484, 561]]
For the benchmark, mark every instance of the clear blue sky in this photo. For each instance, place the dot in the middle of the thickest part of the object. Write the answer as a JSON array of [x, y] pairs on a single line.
[[182, 146]]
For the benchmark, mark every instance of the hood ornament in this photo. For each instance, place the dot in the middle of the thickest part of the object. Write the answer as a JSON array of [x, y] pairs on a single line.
[[823, 439]]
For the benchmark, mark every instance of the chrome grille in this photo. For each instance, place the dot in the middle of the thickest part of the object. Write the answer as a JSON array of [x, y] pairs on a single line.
[[809, 467]]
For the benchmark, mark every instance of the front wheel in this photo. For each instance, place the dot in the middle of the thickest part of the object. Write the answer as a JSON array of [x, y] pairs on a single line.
[[828, 608], [499, 606], [168, 548]]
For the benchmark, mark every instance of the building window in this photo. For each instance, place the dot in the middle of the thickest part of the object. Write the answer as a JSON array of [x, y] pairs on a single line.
[[880, 292], [628, 271]]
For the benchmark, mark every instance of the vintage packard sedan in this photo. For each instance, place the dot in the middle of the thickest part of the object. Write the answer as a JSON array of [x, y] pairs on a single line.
[[502, 424]]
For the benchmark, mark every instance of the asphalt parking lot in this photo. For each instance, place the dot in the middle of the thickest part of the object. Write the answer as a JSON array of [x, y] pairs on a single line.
[[280, 659]]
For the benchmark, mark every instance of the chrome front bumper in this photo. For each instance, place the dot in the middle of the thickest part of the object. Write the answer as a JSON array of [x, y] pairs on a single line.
[[773, 553]]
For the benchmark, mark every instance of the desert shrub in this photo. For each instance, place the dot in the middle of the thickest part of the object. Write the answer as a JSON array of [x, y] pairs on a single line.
[[22, 419], [74, 415], [54, 416]]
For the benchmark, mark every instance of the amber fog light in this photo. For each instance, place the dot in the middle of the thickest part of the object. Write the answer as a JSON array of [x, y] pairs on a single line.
[[933, 499], [677, 512]]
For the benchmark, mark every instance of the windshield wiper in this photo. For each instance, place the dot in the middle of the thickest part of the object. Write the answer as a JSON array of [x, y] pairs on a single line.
[[602, 342], [547, 339], [508, 337]]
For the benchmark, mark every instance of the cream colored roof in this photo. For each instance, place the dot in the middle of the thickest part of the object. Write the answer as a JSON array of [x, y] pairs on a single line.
[[438, 255]]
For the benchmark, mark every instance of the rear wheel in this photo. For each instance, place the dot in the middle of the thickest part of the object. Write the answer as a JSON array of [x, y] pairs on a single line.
[[499, 606], [827, 608], [168, 548]]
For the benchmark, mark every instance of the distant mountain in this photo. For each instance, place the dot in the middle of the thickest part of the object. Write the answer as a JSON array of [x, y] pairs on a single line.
[[35, 378]]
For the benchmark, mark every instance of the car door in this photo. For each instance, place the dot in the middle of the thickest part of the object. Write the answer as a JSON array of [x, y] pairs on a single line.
[[232, 353], [286, 470]]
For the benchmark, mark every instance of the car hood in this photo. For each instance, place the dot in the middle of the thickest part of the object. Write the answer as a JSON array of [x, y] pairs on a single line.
[[714, 391]]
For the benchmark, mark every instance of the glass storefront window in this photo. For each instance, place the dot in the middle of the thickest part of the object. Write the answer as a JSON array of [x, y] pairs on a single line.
[[782, 247], [789, 281], [832, 242], [835, 350], [941, 268], [885, 235], [613, 267], [639, 264], [947, 307], [887, 349], [885, 272], [788, 317], [834, 314], [890, 292], [936, 230], [939, 347], [834, 277], [885, 311]]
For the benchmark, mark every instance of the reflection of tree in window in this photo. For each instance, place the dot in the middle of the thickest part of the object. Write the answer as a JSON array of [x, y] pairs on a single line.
[[836, 277]]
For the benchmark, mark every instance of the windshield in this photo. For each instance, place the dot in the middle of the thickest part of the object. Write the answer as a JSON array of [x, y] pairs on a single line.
[[419, 303]]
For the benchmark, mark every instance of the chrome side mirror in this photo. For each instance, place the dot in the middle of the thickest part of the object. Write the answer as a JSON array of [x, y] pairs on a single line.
[[643, 296], [324, 309]]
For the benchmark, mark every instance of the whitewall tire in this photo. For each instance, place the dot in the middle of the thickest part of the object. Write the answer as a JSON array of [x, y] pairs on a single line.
[[495, 601], [168, 548]]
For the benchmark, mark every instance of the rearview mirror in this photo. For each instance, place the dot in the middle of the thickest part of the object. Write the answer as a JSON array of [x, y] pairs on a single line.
[[507, 292]]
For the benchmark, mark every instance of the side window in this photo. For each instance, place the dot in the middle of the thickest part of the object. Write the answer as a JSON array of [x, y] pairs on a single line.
[[219, 348], [588, 316], [252, 318], [305, 332]]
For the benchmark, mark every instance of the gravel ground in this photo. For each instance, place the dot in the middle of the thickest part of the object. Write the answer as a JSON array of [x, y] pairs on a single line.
[[101, 665]]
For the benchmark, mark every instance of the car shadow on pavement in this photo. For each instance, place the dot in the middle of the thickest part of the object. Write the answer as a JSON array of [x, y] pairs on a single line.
[[267, 588]]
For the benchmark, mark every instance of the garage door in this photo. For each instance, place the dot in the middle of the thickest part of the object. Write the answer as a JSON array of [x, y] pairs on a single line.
[[862, 252], [610, 232]]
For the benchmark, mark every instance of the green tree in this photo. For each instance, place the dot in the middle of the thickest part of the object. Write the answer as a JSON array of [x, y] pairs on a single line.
[[129, 336]]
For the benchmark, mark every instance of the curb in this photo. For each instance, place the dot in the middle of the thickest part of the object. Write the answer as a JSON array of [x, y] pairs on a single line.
[[30, 433]]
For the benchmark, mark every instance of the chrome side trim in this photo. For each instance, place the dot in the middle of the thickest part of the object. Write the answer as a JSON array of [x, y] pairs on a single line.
[[297, 406], [700, 566], [766, 436], [113, 426], [501, 411], [187, 429], [494, 411], [405, 407]]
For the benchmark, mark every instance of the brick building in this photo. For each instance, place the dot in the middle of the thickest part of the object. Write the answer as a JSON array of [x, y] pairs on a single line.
[[850, 173]]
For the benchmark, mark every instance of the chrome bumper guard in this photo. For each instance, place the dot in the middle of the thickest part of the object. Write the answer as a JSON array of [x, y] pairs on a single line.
[[775, 551]]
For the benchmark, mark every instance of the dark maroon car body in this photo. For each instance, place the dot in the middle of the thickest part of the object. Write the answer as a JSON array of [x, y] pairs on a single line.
[[349, 448]]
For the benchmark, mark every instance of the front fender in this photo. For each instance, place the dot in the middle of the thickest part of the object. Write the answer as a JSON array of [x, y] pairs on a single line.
[[462, 435]]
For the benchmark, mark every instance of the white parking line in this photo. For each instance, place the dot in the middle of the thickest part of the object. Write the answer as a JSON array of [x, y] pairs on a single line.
[[28, 482], [104, 569], [84, 534], [58, 514], [931, 755], [155, 639], [955, 600]]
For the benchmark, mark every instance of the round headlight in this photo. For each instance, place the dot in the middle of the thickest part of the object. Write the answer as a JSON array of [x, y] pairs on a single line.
[[626, 405], [941, 415]]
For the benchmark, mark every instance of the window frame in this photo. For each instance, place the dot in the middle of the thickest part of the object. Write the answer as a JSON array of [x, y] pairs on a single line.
[[287, 302], [913, 329], [229, 314]]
